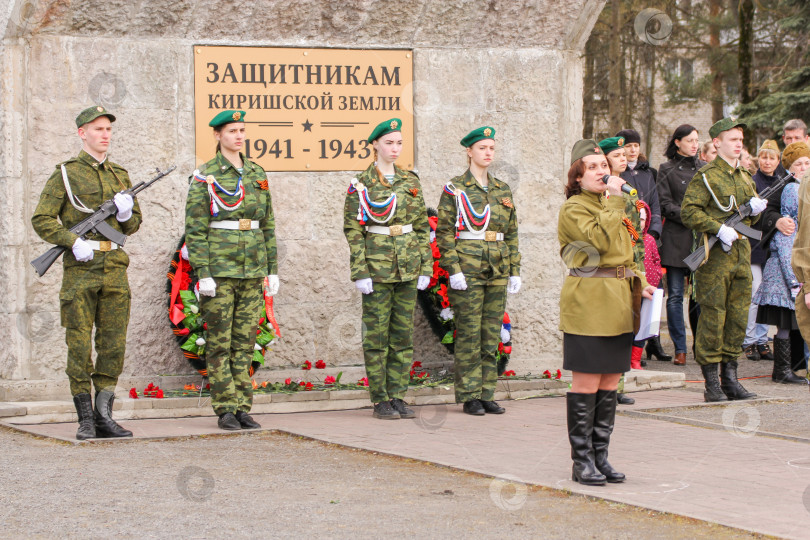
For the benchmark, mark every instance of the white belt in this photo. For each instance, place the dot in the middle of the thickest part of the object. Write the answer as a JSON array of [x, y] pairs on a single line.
[[104, 245], [234, 224], [489, 236], [393, 230]]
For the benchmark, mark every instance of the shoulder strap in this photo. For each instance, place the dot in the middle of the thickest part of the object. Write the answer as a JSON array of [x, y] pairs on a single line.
[[73, 200]]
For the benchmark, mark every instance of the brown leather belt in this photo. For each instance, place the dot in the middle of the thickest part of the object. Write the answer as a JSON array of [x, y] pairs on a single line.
[[618, 272]]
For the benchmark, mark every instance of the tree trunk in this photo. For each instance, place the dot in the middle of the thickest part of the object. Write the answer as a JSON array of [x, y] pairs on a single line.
[[715, 7], [588, 112], [746, 50], [616, 69]]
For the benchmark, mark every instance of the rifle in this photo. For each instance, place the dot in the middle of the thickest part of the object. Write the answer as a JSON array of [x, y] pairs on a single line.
[[95, 223], [696, 258]]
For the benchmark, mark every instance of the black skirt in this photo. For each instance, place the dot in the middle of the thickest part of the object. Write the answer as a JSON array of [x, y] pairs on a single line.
[[597, 354], [780, 317]]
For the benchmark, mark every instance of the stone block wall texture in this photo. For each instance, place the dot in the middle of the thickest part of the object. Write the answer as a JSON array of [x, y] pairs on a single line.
[[513, 64]]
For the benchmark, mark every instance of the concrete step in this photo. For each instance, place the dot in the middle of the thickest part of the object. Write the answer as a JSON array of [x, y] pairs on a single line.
[[37, 412]]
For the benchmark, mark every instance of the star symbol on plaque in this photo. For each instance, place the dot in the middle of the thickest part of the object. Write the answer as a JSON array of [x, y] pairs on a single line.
[[307, 125]]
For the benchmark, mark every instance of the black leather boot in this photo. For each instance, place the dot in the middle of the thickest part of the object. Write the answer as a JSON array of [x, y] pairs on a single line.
[[781, 363], [106, 427], [654, 349], [729, 384], [713, 391], [603, 422], [580, 435], [797, 361], [84, 408]]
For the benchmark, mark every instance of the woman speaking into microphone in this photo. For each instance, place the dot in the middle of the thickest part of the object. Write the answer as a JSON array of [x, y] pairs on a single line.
[[596, 307]]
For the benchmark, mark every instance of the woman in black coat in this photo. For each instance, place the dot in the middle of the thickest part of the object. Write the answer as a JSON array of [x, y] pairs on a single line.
[[676, 240]]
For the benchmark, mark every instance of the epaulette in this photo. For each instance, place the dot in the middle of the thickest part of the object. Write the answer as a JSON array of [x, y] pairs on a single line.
[[116, 166], [414, 173]]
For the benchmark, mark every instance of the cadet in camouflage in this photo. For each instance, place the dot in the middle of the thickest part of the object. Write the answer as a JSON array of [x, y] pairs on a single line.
[[95, 289], [231, 241], [723, 282], [385, 223], [477, 235]]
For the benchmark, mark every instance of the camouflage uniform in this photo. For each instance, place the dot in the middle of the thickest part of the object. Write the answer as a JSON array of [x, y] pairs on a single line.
[[94, 292], [238, 261], [723, 282], [393, 263], [486, 266]]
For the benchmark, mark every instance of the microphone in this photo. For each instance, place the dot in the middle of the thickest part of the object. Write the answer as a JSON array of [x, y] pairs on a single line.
[[627, 188]]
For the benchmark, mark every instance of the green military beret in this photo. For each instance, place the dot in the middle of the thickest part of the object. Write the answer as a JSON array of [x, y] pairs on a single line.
[[384, 128], [476, 135], [585, 147], [226, 117], [724, 125], [611, 143], [91, 113]]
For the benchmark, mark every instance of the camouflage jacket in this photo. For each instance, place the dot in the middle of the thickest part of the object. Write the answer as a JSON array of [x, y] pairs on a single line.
[[383, 258], [92, 183], [231, 253], [480, 260], [700, 212]]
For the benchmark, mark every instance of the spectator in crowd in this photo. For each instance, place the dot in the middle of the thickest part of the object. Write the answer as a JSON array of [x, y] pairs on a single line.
[[676, 240], [708, 152], [795, 131], [779, 289], [755, 343], [747, 162]]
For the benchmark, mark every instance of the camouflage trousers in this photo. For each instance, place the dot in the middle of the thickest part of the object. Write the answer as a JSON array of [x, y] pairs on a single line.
[[388, 338], [232, 317], [101, 298], [478, 314], [723, 290]]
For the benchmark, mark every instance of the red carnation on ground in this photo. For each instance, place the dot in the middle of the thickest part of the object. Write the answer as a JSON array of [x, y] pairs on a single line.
[[307, 366], [133, 393], [329, 380], [510, 373], [363, 381], [159, 394], [559, 374], [507, 349], [302, 383], [547, 374], [288, 381], [416, 364], [320, 364], [308, 386]]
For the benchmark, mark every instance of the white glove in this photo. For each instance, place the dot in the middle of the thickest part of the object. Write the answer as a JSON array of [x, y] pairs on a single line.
[[757, 205], [82, 251], [207, 286], [364, 285], [727, 235], [272, 285], [124, 203], [423, 282], [458, 282], [514, 284]]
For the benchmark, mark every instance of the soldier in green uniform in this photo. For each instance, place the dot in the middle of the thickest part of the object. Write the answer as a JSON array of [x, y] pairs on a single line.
[[95, 289], [385, 223], [723, 282], [477, 235], [231, 241]]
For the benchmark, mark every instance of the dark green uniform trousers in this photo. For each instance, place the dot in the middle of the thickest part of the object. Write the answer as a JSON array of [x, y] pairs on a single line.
[[232, 317], [388, 338], [723, 290], [478, 313], [100, 297]]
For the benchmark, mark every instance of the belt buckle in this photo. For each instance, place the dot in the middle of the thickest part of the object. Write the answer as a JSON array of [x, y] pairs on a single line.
[[620, 272], [105, 245], [244, 224], [490, 236], [395, 230]]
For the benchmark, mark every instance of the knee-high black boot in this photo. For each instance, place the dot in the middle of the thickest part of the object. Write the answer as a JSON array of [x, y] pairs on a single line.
[[602, 428], [781, 363], [797, 361], [580, 435]]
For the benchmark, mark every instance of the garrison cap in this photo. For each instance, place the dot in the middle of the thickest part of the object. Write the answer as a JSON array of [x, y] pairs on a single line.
[[769, 144], [91, 113], [476, 135], [724, 125], [384, 128], [583, 148], [794, 151], [226, 117], [630, 136], [611, 143]]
